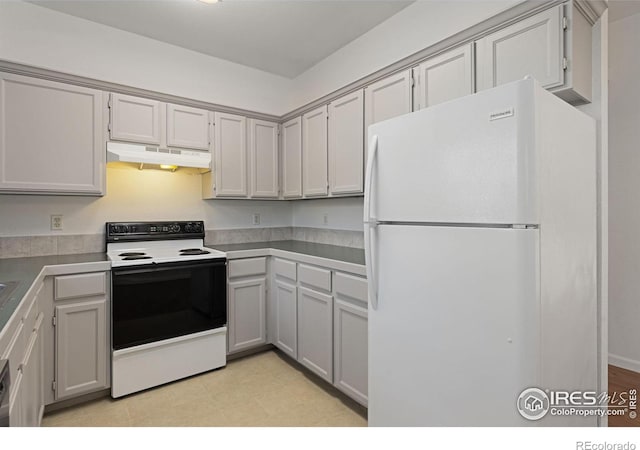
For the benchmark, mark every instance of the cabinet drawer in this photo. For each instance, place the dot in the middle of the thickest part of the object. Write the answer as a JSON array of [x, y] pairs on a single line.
[[83, 285], [247, 267], [314, 276], [350, 286], [285, 269]]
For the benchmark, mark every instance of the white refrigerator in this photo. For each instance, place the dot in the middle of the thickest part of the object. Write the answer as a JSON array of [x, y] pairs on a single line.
[[480, 244]]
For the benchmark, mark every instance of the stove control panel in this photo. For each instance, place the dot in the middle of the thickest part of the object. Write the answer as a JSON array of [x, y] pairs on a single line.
[[149, 231]]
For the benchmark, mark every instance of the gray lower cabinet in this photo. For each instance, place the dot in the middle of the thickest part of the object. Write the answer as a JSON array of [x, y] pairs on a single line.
[[285, 330], [350, 351], [81, 360], [315, 332], [81, 334], [24, 352], [247, 313]]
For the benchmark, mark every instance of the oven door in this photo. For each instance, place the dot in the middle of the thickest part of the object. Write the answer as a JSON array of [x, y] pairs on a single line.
[[154, 302]]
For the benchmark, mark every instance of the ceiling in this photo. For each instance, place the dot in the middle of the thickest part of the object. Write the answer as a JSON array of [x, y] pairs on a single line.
[[278, 36], [619, 9]]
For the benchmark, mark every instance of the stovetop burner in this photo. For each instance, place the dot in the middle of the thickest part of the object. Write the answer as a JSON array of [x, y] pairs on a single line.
[[133, 254], [193, 251], [131, 258]]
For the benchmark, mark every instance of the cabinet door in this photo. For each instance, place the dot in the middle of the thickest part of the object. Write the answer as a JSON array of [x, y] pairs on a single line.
[[292, 158], [263, 155], [350, 350], [533, 46], [346, 144], [444, 77], [81, 347], [315, 332], [387, 98], [247, 314], [134, 119], [286, 318], [187, 127], [33, 399], [230, 150], [314, 153], [51, 137]]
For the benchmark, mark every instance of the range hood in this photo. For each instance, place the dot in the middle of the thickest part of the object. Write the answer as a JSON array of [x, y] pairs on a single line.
[[142, 154]]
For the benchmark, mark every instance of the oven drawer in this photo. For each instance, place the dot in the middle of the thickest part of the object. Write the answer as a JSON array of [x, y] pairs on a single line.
[[83, 285], [315, 277], [247, 267]]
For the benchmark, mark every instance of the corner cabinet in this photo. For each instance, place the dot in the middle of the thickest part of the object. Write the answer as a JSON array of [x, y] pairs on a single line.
[[314, 153], [553, 46], [51, 137], [444, 77]]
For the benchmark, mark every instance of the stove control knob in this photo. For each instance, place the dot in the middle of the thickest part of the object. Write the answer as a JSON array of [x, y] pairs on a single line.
[[197, 227], [175, 228], [188, 228]]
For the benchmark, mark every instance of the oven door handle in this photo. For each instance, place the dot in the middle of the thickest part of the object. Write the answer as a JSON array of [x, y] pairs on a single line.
[[119, 271]]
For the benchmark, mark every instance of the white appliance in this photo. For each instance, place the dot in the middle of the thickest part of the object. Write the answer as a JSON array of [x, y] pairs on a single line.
[[151, 155], [480, 244], [168, 304]]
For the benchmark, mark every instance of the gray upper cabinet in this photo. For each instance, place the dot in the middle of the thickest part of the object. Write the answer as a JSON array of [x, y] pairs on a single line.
[[553, 46], [188, 127], [263, 158], [346, 144], [134, 119], [387, 98], [444, 77], [230, 154], [291, 144], [51, 137], [315, 332], [314, 153]]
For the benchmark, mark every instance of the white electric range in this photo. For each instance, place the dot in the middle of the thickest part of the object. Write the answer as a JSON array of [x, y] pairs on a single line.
[[169, 304]]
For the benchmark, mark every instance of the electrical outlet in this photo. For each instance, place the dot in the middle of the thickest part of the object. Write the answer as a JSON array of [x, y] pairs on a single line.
[[255, 218], [325, 219], [56, 222]]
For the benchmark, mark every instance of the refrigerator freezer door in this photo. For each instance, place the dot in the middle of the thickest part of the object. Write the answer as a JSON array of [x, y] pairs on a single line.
[[471, 160], [454, 339]]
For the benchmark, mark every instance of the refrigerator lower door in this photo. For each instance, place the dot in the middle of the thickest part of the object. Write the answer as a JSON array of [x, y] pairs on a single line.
[[454, 338]]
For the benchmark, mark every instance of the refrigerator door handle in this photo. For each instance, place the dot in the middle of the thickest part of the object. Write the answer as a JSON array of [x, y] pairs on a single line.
[[370, 224]]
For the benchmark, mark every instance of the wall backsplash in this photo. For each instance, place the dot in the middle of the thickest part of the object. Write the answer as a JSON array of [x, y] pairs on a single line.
[[24, 246]]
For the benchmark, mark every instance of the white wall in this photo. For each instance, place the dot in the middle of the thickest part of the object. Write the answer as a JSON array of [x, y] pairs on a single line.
[[134, 195], [624, 193], [49, 39], [343, 213], [420, 25]]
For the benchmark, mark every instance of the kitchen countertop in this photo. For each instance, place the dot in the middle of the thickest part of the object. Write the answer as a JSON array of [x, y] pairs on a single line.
[[26, 270], [334, 252]]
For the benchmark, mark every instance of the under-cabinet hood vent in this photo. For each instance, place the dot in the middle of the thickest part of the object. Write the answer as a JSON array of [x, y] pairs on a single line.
[[141, 154]]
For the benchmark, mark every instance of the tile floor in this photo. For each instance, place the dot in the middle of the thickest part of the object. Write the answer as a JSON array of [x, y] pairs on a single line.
[[259, 390]]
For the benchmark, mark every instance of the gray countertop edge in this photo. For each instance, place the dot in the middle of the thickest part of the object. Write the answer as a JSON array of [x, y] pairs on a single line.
[[29, 281], [258, 249]]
